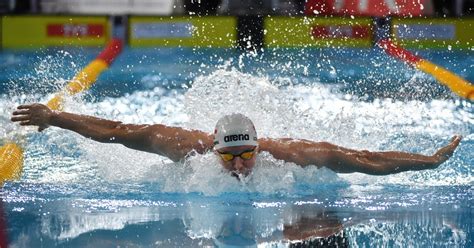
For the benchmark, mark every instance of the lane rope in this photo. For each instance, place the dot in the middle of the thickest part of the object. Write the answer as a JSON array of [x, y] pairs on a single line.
[[11, 154], [455, 83]]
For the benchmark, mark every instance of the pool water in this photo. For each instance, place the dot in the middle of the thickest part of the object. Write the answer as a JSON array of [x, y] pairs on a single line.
[[75, 192]]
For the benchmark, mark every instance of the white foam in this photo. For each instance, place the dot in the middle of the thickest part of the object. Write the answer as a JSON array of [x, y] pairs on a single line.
[[311, 112]]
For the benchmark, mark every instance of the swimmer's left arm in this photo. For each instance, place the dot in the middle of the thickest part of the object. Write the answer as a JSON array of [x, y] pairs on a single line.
[[344, 160]]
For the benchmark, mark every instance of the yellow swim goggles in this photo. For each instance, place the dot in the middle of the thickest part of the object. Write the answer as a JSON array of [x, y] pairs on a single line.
[[245, 155]]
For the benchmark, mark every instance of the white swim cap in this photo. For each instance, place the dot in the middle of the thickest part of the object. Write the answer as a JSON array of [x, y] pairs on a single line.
[[234, 130]]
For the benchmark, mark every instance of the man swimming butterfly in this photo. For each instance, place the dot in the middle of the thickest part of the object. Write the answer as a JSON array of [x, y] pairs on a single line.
[[234, 141]]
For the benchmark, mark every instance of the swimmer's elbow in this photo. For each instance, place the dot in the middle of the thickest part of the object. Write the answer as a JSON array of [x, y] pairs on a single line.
[[359, 161], [367, 162], [378, 170]]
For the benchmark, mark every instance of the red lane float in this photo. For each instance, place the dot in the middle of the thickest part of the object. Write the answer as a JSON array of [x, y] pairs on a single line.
[[456, 84]]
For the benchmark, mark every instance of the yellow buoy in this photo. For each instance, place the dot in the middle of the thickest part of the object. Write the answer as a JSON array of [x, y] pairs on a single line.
[[11, 162]]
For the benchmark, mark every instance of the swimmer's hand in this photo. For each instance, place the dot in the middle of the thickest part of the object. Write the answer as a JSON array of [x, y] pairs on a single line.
[[446, 152], [35, 114]]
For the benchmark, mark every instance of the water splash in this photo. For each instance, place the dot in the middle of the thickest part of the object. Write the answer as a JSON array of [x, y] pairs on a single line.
[[279, 108]]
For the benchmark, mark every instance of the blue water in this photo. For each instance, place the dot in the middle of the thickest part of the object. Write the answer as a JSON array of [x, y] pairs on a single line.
[[75, 192]]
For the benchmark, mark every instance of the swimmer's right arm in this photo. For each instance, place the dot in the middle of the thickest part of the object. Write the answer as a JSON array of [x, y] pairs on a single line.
[[172, 142]]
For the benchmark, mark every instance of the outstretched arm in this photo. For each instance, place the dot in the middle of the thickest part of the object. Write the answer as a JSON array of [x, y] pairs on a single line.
[[172, 142], [344, 160]]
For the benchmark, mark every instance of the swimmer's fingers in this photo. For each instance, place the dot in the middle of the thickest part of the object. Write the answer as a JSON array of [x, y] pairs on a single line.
[[41, 128], [25, 123], [31, 107], [21, 118], [456, 138], [35, 114], [446, 152], [25, 106], [22, 112], [28, 122]]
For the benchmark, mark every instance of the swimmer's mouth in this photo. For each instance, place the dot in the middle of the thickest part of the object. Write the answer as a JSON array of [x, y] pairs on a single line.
[[240, 175]]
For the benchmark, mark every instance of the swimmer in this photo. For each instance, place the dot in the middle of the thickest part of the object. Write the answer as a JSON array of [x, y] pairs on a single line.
[[234, 141]]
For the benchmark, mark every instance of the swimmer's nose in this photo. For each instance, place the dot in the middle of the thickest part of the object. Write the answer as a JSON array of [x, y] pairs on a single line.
[[239, 164]]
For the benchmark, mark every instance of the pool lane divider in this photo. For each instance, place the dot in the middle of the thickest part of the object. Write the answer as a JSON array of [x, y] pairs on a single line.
[[11, 154], [88, 76], [455, 83]]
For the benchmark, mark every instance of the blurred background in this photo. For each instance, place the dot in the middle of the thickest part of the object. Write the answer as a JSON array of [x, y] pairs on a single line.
[[131, 21], [445, 8]]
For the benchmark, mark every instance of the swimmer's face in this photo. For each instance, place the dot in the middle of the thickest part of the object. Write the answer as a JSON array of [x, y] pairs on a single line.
[[238, 164]]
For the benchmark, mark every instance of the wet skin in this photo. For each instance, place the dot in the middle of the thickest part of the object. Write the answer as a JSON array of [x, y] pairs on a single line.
[[238, 165], [176, 143]]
